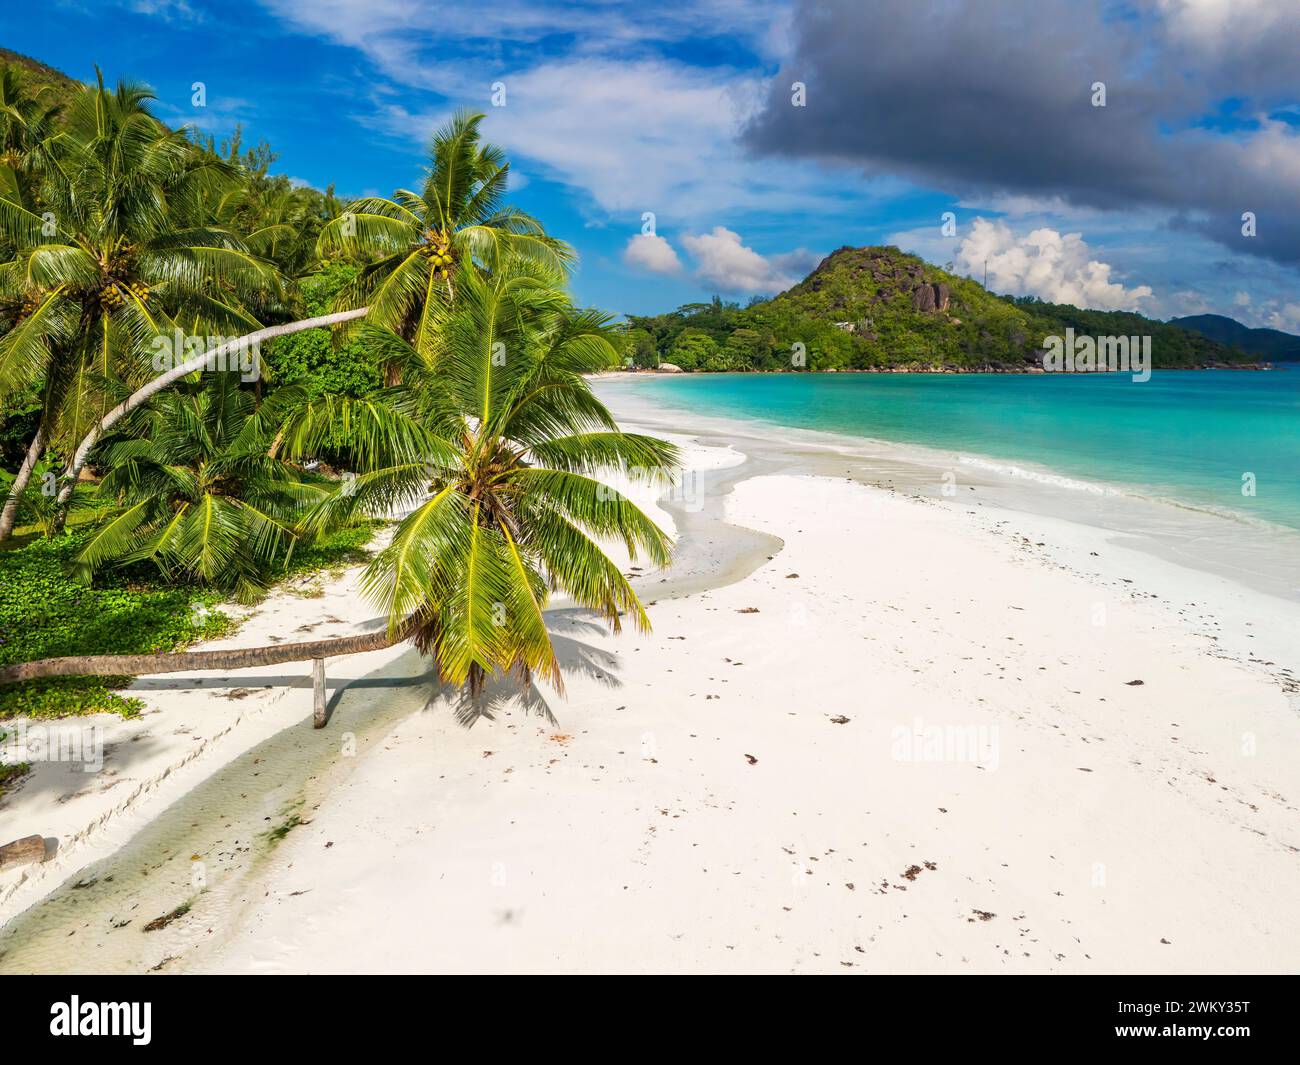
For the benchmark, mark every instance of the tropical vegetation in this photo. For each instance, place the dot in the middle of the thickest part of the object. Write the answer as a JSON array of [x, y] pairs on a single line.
[[878, 308], [458, 408], [127, 610], [502, 437], [113, 245], [412, 244], [195, 484]]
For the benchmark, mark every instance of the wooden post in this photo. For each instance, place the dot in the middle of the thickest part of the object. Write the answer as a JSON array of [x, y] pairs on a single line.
[[318, 692]]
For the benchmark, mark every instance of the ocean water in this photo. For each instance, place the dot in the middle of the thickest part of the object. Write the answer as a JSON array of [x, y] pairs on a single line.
[[1194, 437]]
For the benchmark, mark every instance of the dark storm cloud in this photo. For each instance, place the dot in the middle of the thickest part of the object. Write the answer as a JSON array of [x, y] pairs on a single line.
[[996, 98]]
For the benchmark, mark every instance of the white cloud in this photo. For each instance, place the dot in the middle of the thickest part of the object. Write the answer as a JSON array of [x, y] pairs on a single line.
[[722, 260], [799, 262], [1023, 205], [645, 135], [1056, 267], [1189, 301], [166, 9], [389, 30], [1283, 316], [611, 114], [1273, 151], [1272, 314], [649, 251], [1267, 312], [1215, 24]]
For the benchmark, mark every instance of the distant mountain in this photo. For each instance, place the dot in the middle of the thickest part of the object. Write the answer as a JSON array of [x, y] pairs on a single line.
[[880, 308], [1266, 343]]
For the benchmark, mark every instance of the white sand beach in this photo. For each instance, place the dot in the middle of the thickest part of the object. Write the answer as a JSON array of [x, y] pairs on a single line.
[[926, 734], [192, 724]]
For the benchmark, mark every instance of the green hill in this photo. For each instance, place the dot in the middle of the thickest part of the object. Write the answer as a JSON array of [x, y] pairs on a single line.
[[1265, 343], [59, 87], [880, 308]]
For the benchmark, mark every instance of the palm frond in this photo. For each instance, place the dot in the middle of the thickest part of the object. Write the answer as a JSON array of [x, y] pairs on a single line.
[[26, 349]]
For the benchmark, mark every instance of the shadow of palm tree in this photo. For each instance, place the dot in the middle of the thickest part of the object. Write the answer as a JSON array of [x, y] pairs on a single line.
[[502, 692], [575, 657]]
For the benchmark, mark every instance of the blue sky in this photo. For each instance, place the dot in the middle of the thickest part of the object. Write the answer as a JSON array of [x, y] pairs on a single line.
[[613, 110]]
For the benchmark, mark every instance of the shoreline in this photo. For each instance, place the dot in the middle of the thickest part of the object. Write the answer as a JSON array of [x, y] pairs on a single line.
[[1262, 554], [273, 723], [594, 779]]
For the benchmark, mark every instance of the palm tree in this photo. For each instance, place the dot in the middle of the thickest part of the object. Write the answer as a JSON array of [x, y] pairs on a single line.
[[26, 138], [496, 440], [120, 252], [277, 219], [506, 507], [194, 488], [26, 130], [409, 248], [412, 244]]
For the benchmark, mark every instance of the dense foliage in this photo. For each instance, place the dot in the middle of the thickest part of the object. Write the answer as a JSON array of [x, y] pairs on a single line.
[[314, 360], [114, 242], [44, 614], [461, 395], [195, 486]]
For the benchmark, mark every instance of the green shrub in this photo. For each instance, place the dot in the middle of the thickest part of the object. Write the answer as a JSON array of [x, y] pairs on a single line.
[[313, 358], [11, 776], [46, 614]]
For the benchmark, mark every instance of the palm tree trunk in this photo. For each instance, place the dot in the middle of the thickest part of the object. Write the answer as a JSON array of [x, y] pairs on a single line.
[[199, 362], [9, 516], [183, 661]]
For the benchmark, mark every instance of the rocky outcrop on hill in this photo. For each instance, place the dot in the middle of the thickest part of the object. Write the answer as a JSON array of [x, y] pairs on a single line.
[[854, 277], [932, 299]]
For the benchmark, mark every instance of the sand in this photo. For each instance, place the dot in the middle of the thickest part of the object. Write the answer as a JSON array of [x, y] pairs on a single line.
[[191, 725], [911, 741]]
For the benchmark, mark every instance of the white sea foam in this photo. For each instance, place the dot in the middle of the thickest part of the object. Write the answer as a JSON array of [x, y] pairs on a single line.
[[1010, 469]]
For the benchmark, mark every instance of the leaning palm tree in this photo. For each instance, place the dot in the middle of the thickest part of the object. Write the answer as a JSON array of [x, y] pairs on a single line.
[[193, 487], [116, 250], [411, 245], [507, 504], [493, 445]]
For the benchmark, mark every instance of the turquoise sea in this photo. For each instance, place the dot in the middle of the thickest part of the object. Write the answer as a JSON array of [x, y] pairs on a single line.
[[1188, 436]]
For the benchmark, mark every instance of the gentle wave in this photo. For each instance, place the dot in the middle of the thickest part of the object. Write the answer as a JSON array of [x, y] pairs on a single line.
[[1073, 484], [1010, 469]]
